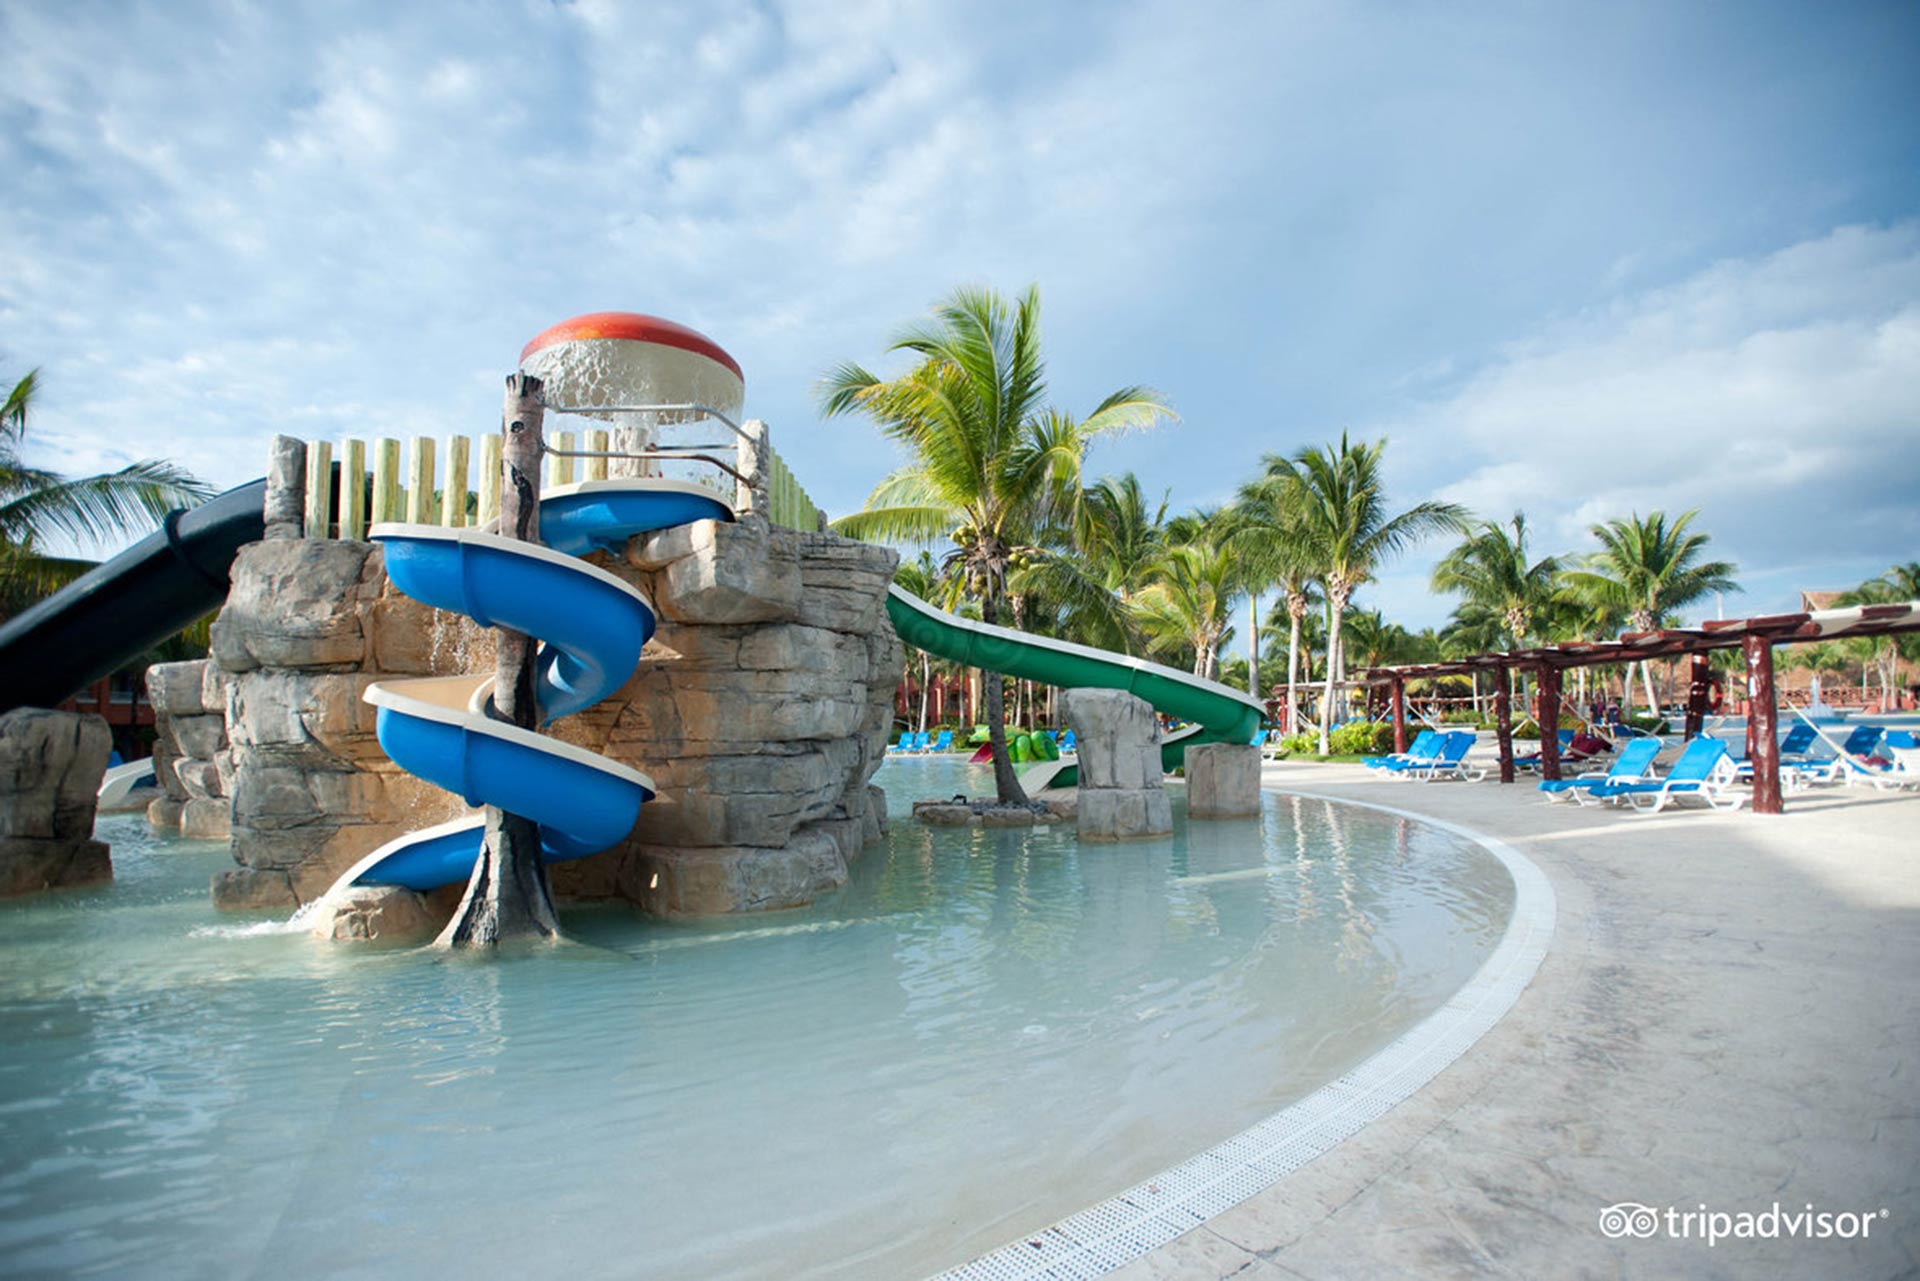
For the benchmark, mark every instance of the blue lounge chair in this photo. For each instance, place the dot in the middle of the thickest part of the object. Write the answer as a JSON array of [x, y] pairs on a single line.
[[1451, 760], [1849, 765], [1797, 740], [944, 742], [1423, 747], [1532, 761], [1633, 765], [1066, 742], [1698, 774]]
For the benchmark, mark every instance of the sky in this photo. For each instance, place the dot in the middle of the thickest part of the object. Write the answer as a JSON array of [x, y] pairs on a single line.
[[1573, 259]]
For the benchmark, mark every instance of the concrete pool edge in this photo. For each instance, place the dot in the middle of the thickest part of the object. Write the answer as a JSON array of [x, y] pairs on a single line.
[[1125, 1227]]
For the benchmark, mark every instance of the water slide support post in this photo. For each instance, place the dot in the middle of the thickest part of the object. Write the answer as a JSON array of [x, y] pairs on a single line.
[[508, 896]]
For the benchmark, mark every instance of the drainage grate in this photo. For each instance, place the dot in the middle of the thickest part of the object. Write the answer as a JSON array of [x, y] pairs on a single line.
[[1117, 1231]]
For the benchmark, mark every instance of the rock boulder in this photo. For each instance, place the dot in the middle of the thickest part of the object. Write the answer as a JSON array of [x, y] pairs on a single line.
[[1120, 792], [51, 765], [1223, 780]]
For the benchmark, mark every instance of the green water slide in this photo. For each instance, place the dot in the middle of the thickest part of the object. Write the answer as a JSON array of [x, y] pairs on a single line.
[[1217, 714]]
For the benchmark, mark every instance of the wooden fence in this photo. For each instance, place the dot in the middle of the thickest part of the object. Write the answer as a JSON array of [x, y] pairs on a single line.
[[453, 484]]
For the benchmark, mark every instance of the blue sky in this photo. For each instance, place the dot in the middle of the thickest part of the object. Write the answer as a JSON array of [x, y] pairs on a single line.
[[1575, 259]]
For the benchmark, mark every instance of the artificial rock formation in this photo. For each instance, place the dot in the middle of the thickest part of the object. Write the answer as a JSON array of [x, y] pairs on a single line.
[[51, 764], [760, 710], [307, 626], [1120, 792], [1223, 780], [190, 759]]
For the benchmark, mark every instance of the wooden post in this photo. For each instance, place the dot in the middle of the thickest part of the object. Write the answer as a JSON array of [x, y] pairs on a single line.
[[420, 504], [1699, 684], [386, 482], [1549, 721], [487, 479], [1763, 748], [453, 491], [319, 487], [1399, 714], [559, 469], [353, 489], [1503, 720], [508, 897], [596, 468]]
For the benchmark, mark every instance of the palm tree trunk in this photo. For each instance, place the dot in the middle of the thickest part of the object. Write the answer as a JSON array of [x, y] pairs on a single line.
[[1006, 784], [1293, 671], [1253, 644], [1336, 607], [926, 679], [1646, 678]]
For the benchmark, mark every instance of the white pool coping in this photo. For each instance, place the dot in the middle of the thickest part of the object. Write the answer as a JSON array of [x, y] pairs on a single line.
[[1146, 1216]]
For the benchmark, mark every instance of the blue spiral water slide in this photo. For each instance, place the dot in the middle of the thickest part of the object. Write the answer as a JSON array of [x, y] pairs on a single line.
[[591, 624]]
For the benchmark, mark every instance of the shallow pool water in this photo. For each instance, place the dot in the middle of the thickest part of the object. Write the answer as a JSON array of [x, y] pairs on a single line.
[[984, 1031]]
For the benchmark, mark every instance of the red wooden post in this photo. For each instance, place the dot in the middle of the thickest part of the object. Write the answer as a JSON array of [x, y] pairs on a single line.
[[1699, 684], [1763, 749], [1503, 720], [1399, 714], [1549, 721]]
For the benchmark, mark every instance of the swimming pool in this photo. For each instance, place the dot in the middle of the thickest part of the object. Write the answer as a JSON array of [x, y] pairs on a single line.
[[984, 1031]]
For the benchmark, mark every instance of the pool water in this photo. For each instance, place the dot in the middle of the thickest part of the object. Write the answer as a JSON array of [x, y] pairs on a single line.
[[983, 1032]]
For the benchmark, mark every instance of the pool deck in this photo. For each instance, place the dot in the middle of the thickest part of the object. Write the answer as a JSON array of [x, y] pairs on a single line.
[[1729, 1014]]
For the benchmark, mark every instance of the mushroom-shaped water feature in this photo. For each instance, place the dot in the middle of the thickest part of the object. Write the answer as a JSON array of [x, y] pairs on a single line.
[[609, 364]]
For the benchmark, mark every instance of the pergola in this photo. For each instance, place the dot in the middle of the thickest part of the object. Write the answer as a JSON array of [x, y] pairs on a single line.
[[1756, 637]]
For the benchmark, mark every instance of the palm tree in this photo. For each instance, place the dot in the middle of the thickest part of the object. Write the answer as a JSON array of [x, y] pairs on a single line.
[[1120, 533], [38, 506], [1187, 606], [1273, 539], [1091, 569], [1341, 500], [1898, 585], [1646, 569], [991, 465], [1491, 569]]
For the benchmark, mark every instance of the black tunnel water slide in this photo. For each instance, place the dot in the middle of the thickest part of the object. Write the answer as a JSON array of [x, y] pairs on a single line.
[[128, 605]]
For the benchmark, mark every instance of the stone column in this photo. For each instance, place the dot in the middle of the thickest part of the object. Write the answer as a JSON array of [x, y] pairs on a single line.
[[286, 488], [191, 759], [1223, 780], [1120, 796], [753, 460], [51, 764]]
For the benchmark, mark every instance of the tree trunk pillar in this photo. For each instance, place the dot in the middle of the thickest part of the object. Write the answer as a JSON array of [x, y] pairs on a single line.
[[1763, 748], [1699, 686], [508, 897], [1503, 720], [1549, 721]]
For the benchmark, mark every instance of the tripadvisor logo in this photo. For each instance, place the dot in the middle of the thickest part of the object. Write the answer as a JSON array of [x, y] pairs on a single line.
[[1632, 1219]]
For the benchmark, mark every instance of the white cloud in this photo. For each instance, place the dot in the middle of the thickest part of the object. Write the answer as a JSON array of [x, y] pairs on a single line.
[[1780, 395]]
